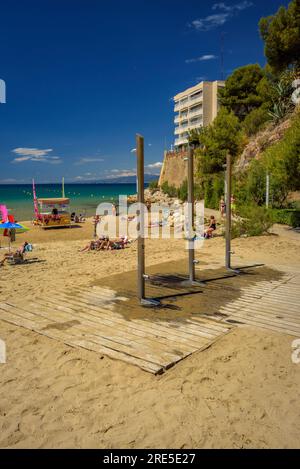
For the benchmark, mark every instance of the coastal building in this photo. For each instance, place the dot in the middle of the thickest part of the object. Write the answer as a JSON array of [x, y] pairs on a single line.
[[195, 107]]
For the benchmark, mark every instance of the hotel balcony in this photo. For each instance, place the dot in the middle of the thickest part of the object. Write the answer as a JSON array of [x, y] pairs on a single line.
[[196, 99], [181, 105], [196, 124], [196, 112], [186, 103], [181, 141], [181, 128]]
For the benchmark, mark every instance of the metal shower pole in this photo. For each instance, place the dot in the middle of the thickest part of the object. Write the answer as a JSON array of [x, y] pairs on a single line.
[[228, 187], [191, 221], [140, 199], [141, 276], [191, 213], [228, 214]]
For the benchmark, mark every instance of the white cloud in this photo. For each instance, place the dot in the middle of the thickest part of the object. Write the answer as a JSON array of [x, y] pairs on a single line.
[[231, 8], [210, 22], [36, 155], [115, 173], [154, 165], [87, 160], [219, 19], [203, 58], [31, 151], [8, 181]]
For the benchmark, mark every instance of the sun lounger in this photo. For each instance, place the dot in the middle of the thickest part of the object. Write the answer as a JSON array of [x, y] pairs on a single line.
[[15, 258]]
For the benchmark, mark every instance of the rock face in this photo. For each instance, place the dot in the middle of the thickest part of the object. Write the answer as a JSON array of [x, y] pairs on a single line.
[[153, 196], [259, 143]]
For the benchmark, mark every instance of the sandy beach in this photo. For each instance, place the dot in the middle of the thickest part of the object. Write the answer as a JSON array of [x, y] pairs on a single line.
[[242, 392]]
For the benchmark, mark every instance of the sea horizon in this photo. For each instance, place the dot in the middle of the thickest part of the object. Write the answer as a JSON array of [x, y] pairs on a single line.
[[18, 198]]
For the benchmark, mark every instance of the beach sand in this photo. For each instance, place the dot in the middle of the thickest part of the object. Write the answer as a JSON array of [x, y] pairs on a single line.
[[242, 392]]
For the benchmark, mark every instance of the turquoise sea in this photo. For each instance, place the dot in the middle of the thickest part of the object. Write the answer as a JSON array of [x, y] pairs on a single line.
[[84, 198]]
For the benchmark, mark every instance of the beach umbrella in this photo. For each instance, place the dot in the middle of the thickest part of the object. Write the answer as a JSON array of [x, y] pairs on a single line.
[[13, 228]]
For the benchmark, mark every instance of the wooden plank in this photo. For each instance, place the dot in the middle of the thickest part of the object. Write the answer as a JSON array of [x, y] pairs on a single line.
[[208, 323], [260, 323], [8, 315], [228, 312], [279, 304], [263, 311], [268, 318], [149, 328], [84, 304], [264, 308], [109, 342], [27, 324], [123, 329]]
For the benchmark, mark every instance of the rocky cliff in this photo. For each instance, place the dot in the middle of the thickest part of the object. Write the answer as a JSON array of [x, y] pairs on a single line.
[[174, 169], [260, 142]]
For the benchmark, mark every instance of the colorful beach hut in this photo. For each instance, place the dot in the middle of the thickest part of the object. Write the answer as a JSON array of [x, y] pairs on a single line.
[[53, 212]]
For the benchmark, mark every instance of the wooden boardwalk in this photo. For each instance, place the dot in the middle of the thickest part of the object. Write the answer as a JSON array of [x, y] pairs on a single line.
[[268, 305], [107, 319], [91, 320]]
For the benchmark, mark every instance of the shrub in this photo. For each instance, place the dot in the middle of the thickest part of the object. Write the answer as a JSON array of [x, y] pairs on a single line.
[[153, 185], [171, 191], [182, 192], [256, 120], [252, 221], [286, 217]]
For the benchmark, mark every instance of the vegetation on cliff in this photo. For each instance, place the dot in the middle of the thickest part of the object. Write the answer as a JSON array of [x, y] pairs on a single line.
[[256, 99]]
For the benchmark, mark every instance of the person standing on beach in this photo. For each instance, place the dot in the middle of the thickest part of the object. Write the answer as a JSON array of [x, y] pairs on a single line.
[[233, 206], [222, 208]]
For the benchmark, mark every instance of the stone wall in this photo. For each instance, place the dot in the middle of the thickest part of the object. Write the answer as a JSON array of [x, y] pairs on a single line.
[[174, 168]]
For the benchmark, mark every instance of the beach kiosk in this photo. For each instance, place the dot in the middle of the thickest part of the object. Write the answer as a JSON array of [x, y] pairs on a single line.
[[53, 212]]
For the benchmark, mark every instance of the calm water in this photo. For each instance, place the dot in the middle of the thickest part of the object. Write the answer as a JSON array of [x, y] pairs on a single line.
[[84, 198]]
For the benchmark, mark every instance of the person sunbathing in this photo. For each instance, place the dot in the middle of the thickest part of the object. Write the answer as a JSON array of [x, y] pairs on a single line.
[[102, 243], [23, 248], [211, 228], [17, 255], [91, 246], [118, 243], [96, 245]]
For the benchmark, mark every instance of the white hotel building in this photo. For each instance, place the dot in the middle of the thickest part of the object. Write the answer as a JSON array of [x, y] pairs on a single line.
[[195, 107]]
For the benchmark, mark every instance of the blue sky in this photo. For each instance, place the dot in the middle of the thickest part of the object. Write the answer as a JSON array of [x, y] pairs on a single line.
[[83, 76]]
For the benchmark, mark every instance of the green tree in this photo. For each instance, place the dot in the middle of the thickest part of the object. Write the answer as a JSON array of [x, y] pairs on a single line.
[[223, 136], [256, 120], [281, 33], [241, 94]]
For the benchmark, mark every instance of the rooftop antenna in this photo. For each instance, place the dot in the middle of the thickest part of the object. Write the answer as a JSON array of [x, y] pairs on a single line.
[[222, 55]]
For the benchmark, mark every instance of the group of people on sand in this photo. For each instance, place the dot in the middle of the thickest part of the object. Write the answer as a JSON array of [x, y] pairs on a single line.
[[105, 244], [222, 206], [77, 218]]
